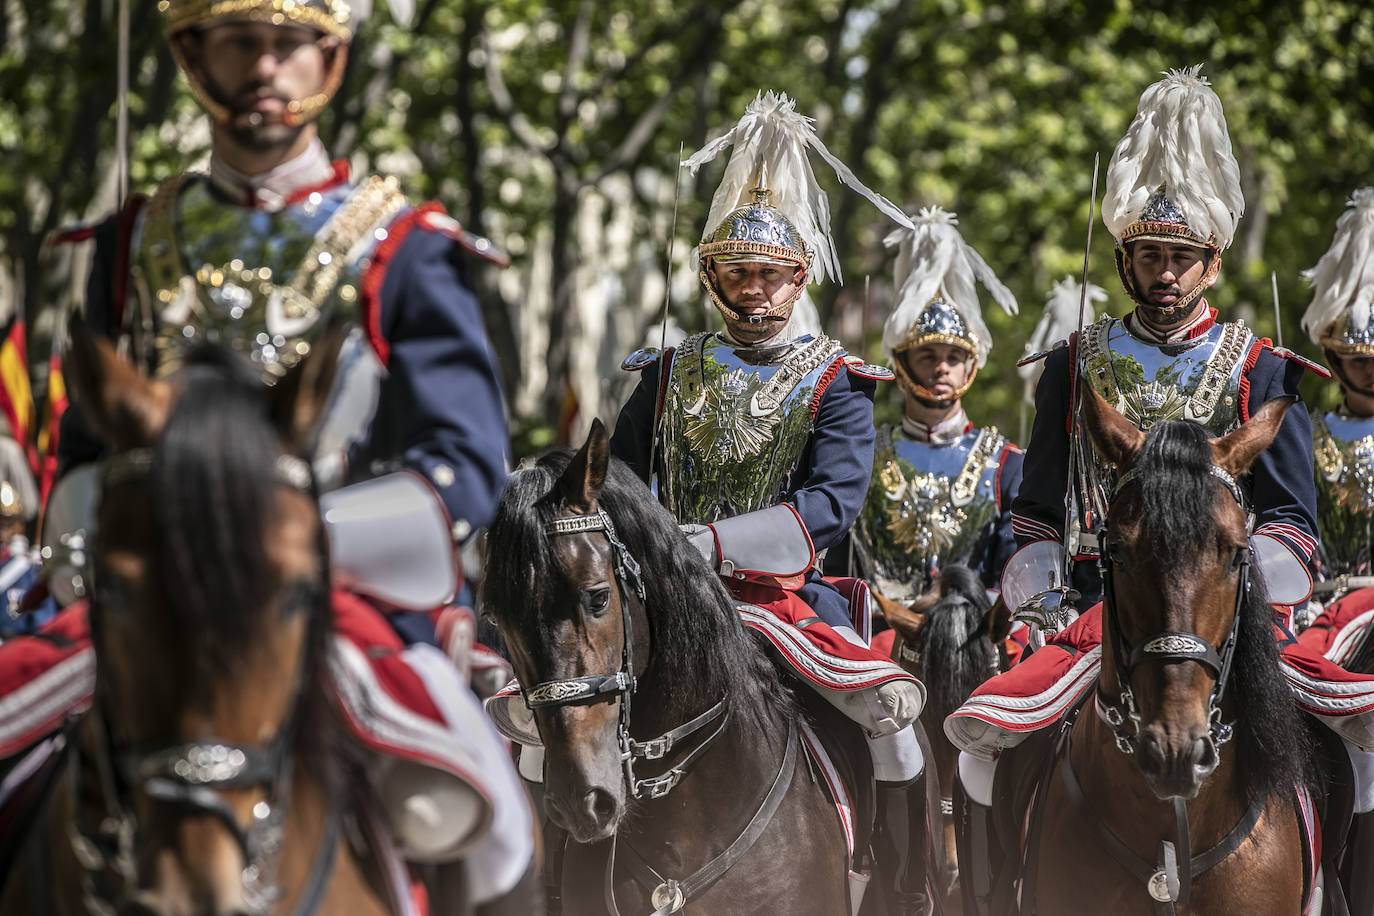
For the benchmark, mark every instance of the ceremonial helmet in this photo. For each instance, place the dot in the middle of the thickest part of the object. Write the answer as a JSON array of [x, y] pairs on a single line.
[[937, 300], [769, 207], [1339, 318], [10, 504], [1174, 179], [333, 18]]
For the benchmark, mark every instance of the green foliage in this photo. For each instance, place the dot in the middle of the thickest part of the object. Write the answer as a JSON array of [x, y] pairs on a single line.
[[509, 109]]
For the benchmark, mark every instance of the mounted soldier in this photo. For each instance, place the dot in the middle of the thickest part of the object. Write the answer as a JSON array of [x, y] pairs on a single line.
[[760, 439], [1338, 321], [942, 488], [1172, 208], [273, 252]]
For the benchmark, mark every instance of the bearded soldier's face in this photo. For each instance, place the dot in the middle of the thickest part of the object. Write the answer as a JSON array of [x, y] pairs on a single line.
[[1164, 274], [256, 71]]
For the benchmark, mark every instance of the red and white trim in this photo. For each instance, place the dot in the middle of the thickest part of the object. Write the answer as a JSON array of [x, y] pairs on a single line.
[[1347, 639], [40, 706], [1302, 543], [822, 668], [844, 804], [985, 724], [1026, 527]]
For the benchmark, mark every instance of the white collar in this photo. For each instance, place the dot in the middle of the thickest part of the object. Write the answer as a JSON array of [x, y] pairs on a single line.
[[946, 431], [273, 189]]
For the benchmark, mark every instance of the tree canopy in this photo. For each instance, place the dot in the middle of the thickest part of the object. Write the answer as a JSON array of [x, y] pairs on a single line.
[[554, 128]]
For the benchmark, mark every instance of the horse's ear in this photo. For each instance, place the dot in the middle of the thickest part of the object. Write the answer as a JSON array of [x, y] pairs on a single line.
[[999, 621], [581, 483], [1114, 437], [300, 397], [1237, 450], [126, 409], [906, 621]]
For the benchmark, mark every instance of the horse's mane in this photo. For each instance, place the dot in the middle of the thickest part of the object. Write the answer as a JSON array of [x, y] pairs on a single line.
[[700, 651], [954, 640], [1273, 742], [214, 473]]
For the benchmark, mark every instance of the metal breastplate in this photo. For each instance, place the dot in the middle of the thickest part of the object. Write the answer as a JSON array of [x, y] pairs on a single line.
[[1343, 449], [266, 285], [1197, 379], [735, 422], [263, 284], [927, 506]]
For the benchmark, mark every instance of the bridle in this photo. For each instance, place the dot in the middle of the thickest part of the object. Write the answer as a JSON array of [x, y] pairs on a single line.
[[1170, 645], [598, 687], [191, 777]]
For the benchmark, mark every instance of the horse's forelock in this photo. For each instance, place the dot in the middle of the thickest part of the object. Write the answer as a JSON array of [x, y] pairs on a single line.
[[214, 499], [1176, 490]]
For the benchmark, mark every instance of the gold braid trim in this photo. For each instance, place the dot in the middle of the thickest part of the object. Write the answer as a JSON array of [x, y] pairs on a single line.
[[183, 15]]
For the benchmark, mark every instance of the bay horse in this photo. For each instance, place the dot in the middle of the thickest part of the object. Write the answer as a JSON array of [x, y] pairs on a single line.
[[209, 775], [632, 655], [1180, 792], [950, 640]]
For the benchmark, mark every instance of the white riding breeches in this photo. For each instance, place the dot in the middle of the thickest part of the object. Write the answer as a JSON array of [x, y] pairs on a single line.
[[976, 776]]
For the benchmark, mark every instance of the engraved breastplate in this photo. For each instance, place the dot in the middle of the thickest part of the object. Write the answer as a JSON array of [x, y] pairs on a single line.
[[263, 284], [927, 506], [1343, 449], [735, 422], [1197, 379]]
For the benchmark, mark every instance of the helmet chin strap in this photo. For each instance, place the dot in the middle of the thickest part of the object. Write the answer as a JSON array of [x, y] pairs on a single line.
[[1334, 361], [912, 386]]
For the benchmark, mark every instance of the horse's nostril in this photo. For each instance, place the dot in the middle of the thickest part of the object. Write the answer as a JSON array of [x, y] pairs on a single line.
[[1204, 753], [600, 805]]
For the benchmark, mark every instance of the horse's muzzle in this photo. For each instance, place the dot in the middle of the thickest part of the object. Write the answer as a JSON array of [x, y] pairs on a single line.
[[589, 816], [1175, 768]]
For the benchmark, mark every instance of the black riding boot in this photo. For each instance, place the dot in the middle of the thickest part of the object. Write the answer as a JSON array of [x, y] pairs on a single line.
[[981, 858], [899, 847], [1358, 873]]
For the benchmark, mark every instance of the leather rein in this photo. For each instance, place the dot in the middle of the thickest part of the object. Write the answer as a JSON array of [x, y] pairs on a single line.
[[191, 777], [667, 895], [1169, 881]]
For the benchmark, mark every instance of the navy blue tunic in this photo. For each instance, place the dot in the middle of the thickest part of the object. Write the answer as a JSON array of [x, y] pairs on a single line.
[[1280, 482]]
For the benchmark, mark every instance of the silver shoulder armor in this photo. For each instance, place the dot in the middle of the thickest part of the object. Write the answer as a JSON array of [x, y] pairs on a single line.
[[640, 359]]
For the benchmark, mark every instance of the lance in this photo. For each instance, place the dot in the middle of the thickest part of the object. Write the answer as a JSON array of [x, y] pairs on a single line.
[[1074, 433], [1278, 322], [667, 297]]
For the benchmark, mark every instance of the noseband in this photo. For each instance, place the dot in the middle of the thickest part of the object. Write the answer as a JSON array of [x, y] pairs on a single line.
[[191, 777], [596, 687], [1169, 645]]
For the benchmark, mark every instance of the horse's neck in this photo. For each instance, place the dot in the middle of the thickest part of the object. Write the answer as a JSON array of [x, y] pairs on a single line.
[[715, 799], [1116, 792]]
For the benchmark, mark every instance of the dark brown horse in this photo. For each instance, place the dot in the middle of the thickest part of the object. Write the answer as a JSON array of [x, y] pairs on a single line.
[[621, 636], [949, 639], [1181, 785], [206, 778]]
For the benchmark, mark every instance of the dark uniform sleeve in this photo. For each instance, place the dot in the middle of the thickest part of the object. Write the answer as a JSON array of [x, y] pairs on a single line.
[[1002, 543], [1038, 508], [440, 409], [77, 443], [837, 462], [634, 428], [1283, 487]]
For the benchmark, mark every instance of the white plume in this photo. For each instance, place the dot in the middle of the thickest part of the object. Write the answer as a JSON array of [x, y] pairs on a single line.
[[933, 259], [770, 146], [1179, 140], [1059, 320], [1344, 276]]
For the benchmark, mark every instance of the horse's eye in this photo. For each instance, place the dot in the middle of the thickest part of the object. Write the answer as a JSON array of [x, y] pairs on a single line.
[[596, 601]]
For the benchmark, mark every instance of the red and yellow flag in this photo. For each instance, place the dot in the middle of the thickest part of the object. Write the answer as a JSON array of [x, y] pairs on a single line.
[[16, 395], [52, 420]]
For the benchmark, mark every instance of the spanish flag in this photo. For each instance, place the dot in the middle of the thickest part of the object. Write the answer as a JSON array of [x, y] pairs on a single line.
[[16, 396], [52, 420]]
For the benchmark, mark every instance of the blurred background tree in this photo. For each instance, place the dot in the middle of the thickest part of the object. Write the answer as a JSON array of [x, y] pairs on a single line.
[[554, 127]]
